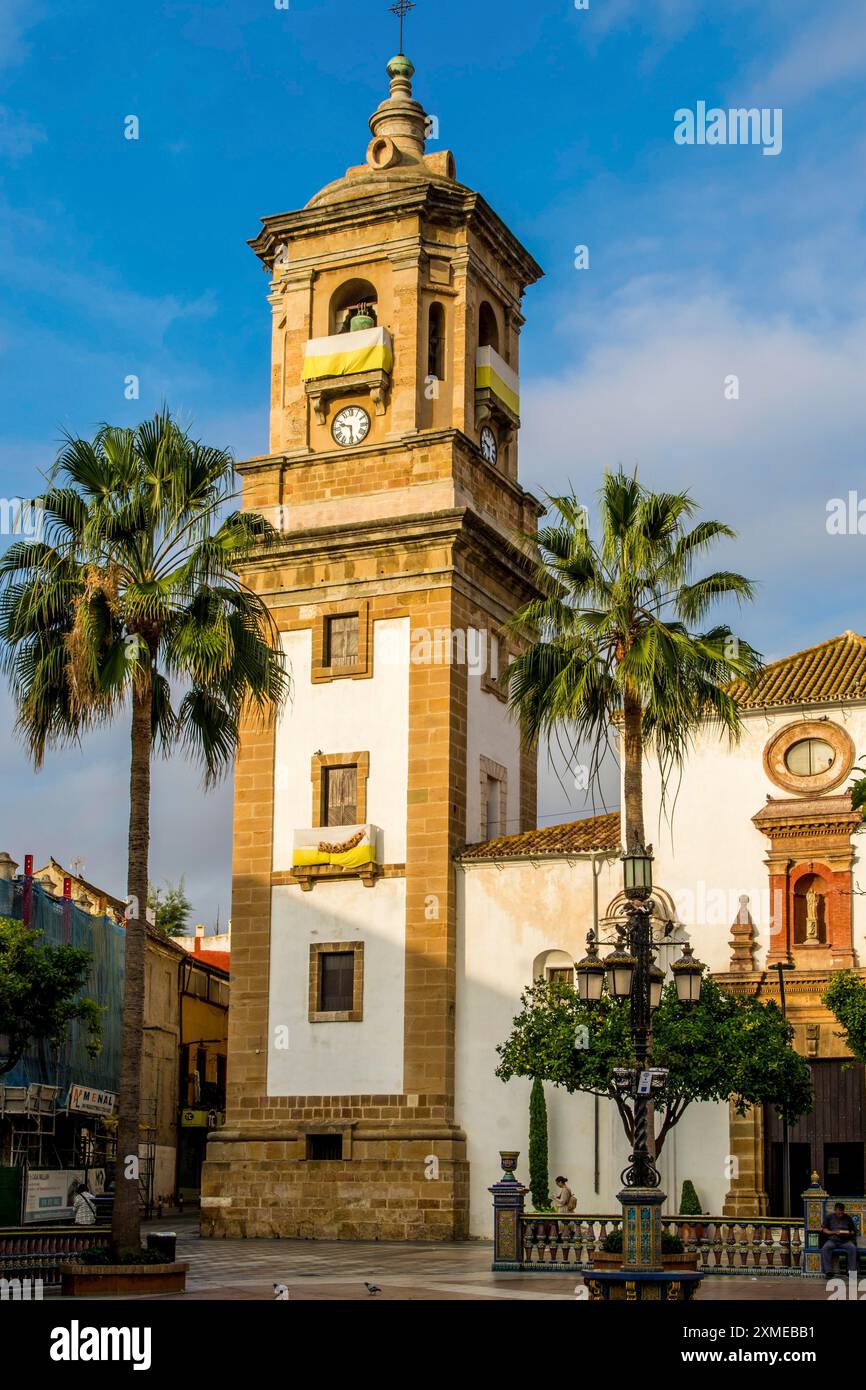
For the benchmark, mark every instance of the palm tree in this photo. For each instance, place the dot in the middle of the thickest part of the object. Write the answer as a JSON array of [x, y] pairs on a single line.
[[611, 636], [129, 603]]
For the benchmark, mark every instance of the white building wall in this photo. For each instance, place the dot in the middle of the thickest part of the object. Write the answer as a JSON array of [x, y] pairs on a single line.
[[707, 851], [707, 855], [509, 915], [491, 733], [343, 716], [324, 1059]]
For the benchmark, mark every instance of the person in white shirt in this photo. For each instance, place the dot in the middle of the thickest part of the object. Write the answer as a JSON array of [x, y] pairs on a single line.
[[83, 1207], [563, 1199]]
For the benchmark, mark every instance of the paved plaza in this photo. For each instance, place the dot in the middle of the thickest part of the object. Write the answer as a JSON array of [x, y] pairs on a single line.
[[338, 1270]]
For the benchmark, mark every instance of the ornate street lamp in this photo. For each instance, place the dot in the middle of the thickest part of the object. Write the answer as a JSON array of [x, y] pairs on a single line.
[[632, 974], [637, 864], [688, 972], [589, 972], [656, 985], [621, 967]]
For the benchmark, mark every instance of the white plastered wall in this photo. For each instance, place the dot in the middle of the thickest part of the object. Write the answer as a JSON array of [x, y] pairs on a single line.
[[341, 716], [509, 915]]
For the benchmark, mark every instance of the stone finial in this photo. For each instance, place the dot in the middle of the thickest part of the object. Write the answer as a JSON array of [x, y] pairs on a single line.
[[399, 124], [7, 867], [742, 941]]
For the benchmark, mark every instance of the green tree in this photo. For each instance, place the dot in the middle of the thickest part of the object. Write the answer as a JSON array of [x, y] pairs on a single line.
[[724, 1046], [132, 604], [40, 993], [612, 635], [539, 1176], [171, 908], [845, 996]]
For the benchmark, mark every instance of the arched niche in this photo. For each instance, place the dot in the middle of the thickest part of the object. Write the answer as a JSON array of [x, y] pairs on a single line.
[[349, 298], [436, 341], [553, 965], [811, 900], [488, 328]]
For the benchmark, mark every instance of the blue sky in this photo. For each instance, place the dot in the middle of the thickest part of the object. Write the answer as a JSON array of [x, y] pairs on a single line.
[[121, 257]]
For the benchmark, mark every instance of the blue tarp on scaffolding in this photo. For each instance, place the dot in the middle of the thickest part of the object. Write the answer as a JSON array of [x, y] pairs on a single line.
[[105, 941]]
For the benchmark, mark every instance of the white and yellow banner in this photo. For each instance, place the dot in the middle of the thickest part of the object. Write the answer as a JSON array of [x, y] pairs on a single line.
[[497, 376], [370, 349], [346, 846]]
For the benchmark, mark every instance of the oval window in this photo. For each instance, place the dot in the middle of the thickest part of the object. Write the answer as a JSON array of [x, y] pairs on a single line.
[[809, 757]]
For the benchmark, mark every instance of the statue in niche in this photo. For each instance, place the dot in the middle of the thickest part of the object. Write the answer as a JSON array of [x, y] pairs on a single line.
[[813, 901]]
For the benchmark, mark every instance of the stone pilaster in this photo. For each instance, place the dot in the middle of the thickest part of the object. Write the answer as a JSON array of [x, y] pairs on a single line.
[[746, 1195]]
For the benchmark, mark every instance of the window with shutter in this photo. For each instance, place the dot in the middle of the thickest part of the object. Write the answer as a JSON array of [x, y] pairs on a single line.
[[341, 640], [561, 973], [493, 827], [336, 981], [340, 796]]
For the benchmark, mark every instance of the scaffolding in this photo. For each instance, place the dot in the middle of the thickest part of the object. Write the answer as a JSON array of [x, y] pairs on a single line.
[[31, 1114], [147, 1132]]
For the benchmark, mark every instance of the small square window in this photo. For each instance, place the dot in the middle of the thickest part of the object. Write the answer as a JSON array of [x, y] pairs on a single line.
[[336, 990], [324, 1146], [562, 973], [336, 981], [341, 640]]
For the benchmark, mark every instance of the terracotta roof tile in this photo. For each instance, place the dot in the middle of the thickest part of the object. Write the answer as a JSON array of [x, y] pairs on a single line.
[[833, 670], [221, 959], [574, 836]]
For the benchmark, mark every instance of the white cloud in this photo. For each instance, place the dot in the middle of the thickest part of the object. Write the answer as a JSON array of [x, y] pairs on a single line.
[[18, 135], [651, 393], [16, 17], [78, 805], [823, 54]]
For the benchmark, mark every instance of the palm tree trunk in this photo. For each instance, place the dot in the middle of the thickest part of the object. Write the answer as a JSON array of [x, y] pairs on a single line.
[[632, 769], [126, 1222]]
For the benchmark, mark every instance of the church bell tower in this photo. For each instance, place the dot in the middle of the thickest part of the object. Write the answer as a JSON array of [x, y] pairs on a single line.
[[392, 477]]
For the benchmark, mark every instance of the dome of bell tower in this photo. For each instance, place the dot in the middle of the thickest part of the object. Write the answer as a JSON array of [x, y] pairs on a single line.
[[396, 154]]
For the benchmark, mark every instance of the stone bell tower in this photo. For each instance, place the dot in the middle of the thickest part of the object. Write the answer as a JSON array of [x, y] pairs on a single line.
[[392, 475]]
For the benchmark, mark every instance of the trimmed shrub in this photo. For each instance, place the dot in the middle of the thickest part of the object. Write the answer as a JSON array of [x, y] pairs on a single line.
[[689, 1203]]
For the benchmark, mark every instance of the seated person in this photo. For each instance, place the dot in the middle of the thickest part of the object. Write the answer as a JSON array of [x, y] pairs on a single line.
[[841, 1234]]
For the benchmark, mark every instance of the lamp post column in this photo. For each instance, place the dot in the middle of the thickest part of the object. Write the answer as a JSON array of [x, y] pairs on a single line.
[[641, 1197]]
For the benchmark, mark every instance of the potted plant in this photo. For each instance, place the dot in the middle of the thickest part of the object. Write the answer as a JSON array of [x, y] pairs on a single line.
[[674, 1253], [95, 1272]]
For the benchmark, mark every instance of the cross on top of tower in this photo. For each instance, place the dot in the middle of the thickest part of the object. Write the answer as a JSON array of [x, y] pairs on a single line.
[[401, 9]]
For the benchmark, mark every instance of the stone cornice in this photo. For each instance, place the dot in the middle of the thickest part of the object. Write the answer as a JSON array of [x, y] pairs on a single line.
[[811, 817], [443, 202], [263, 463], [459, 527], [765, 983]]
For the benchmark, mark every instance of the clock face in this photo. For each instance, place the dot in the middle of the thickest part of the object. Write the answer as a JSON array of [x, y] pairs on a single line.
[[488, 444], [351, 425]]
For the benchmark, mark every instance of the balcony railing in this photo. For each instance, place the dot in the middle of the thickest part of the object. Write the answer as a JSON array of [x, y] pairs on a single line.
[[721, 1244], [334, 851]]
